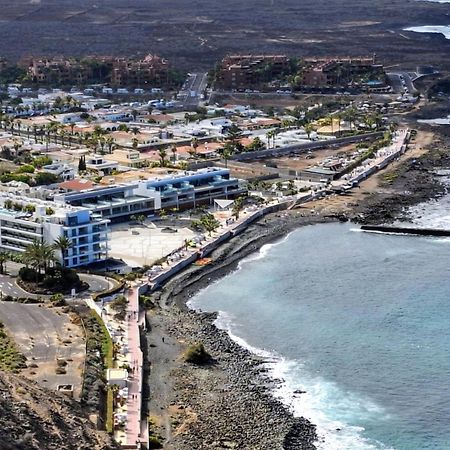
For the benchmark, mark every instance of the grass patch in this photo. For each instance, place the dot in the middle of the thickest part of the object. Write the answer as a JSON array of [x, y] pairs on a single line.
[[107, 352], [390, 177], [10, 358], [107, 344], [109, 411]]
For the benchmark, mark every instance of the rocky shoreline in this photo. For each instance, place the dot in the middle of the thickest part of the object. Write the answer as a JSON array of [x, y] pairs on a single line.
[[229, 404]]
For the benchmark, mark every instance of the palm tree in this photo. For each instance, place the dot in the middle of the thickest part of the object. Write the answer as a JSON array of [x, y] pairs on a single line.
[[350, 116], [39, 255], [4, 256], [63, 244], [226, 152], [194, 145], [174, 153], [17, 145], [162, 156], [110, 142], [308, 129]]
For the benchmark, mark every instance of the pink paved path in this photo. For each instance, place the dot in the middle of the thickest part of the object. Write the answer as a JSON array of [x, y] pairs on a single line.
[[136, 429]]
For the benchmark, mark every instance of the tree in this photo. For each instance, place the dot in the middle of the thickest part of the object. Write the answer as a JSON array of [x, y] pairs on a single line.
[[123, 127], [308, 129], [209, 223], [82, 164], [237, 206], [162, 156], [174, 151], [4, 256], [255, 145], [234, 135], [110, 142], [194, 145], [135, 142], [350, 115], [63, 244], [226, 152], [39, 255], [44, 178]]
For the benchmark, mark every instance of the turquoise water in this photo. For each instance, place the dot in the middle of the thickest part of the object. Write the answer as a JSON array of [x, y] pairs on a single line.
[[358, 320]]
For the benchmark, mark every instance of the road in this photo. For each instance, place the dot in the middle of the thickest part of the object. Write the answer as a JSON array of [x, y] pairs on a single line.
[[193, 89], [8, 286], [395, 80], [97, 283]]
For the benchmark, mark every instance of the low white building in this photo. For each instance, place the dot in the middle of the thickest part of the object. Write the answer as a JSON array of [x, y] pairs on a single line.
[[61, 170], [99, 163]]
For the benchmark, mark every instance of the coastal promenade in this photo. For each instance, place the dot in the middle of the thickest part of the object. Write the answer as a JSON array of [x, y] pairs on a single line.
[[136, 431], [131, 429], [130, 426], [186, 256]]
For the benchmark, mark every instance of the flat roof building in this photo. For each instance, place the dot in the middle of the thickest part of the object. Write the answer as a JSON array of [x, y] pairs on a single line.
[[24, 220], [182, 191]]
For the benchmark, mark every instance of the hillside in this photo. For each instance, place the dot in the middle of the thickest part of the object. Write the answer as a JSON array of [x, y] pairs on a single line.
[[33, 418], [194, 34]]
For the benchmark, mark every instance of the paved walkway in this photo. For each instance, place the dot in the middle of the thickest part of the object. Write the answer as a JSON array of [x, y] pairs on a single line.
[[383, 157], [136, 429]]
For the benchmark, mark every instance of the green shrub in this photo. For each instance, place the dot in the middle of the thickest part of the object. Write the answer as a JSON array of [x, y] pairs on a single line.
[[155, 442], [196, 354], [57, 299], [27, 274]]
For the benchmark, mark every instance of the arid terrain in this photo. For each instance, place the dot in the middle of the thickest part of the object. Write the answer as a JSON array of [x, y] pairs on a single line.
[[194, 34]]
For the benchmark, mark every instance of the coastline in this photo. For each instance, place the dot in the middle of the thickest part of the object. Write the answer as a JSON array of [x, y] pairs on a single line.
[[204, 422]]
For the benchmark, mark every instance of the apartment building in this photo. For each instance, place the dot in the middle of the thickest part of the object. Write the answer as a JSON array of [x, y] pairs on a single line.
[[150, 70], [248, 71], [182, 191], [24, 220], [333, 71]]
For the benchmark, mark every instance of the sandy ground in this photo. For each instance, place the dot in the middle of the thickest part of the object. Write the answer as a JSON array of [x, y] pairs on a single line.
[[44, 335], [141, 245]]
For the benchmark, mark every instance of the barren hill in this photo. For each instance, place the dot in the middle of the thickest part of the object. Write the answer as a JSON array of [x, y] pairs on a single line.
[[195, 33], [33, 418]]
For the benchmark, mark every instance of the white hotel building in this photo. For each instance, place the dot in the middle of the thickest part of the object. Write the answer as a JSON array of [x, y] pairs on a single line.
[[20, 226], [183, 190]]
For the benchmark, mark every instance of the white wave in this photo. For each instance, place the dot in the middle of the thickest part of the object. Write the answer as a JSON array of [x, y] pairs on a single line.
[[322, 401], [441, 29], [263, 251]]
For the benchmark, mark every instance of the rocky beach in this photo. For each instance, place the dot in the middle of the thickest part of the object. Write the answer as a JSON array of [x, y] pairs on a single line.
[[228, 403]]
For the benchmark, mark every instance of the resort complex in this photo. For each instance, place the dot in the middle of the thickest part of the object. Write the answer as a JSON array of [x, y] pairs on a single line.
[[128, 185]]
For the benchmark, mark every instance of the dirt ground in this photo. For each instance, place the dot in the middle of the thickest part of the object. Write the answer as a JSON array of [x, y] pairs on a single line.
[[44, 336], [335, 204]]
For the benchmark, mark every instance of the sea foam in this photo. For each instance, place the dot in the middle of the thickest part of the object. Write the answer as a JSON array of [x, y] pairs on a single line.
[[320, 397]]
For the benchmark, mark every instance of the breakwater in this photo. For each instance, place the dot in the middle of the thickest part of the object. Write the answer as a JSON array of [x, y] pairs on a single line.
[[405, 230]]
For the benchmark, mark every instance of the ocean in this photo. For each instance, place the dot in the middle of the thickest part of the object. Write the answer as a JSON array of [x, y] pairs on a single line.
[[442, 29], [360, 321]]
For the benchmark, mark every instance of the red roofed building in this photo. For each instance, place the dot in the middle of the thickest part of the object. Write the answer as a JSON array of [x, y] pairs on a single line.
[[78, 184]]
